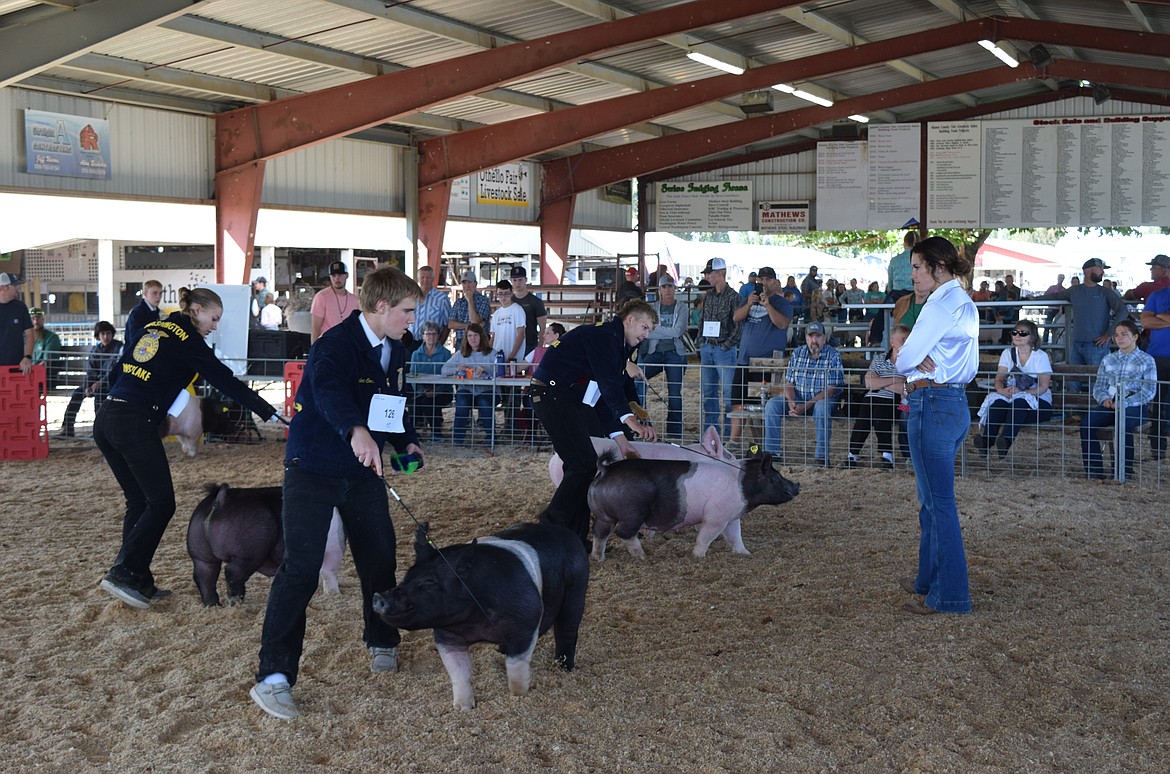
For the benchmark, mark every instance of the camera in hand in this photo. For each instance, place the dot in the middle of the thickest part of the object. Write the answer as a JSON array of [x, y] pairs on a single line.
[[760, 289]]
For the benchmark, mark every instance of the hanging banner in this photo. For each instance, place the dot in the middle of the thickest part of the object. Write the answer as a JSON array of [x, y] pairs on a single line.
[[782, 217], [66, 146], [507, 184], [704, 206]]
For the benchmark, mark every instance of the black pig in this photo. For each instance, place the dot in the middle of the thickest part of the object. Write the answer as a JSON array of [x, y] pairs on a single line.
[[508, 589], [241, 528]]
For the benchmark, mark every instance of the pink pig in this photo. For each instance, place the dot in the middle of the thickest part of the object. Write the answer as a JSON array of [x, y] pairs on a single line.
[[667, 495], [710, 449]]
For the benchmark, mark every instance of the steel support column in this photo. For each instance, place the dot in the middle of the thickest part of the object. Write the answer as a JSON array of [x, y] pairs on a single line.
[[237, 204], [434, 202], [556, 225]]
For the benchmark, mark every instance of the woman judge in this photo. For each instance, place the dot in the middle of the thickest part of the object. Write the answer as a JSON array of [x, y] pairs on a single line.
[[939, 358], [586, 368], [148, 378]]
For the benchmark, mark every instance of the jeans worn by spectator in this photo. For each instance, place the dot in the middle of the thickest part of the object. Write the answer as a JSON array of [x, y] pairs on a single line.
[[776, 412], [1084, 353], [1097, 417], [938, 423], [1160, 424], [717, 378], [484, 403], [672, 364]]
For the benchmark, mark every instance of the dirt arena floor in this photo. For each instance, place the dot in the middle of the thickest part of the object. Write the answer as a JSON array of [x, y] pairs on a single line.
[[797, 658]]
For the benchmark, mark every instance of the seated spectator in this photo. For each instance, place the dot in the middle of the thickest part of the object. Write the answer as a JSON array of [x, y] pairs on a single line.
[[427, 400], [474, 362], [270, 315], [551, 334], [1130, 374], [96, 383], [46, 346], [1022, 395], [878, 411], [814, 378]]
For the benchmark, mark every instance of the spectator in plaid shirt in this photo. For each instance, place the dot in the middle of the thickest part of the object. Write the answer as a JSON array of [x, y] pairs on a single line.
[[814, 379], [463, 313], [718, 339], [435, 307], [1129, 374]]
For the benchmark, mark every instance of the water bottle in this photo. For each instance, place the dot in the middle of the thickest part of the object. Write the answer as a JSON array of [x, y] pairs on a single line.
[[499, 364]]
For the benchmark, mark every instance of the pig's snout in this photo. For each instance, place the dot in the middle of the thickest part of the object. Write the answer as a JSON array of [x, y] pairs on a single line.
[[793, 488], [391, 603]]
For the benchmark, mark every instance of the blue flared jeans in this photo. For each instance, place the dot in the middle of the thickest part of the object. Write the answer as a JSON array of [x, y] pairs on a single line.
[[938, 422]]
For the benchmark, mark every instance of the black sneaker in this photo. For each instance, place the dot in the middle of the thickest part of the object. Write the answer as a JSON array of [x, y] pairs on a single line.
[[157, 593], [128, 594]]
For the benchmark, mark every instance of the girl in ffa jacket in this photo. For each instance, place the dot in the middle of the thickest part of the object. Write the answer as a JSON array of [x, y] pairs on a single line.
[[146, 381]]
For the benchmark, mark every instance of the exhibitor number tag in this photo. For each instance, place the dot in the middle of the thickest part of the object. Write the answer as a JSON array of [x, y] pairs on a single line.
[[386, 413]]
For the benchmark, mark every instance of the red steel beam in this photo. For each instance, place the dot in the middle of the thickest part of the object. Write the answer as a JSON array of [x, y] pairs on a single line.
[[463, 153], [274, 128], [456, 155], [583, 172]]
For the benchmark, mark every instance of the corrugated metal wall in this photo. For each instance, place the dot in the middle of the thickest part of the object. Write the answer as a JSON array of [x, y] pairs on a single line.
[[152, 152], [338, 175]]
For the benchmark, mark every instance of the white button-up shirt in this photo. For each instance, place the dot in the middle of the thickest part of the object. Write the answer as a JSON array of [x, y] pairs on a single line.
[[947, 331]]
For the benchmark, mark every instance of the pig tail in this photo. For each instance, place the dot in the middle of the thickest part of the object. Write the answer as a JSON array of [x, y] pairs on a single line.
[[202, 297]]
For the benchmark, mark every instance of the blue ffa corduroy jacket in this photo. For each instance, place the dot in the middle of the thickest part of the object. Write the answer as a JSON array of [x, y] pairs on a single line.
[[593, 353], [164, 360], [341, 377]]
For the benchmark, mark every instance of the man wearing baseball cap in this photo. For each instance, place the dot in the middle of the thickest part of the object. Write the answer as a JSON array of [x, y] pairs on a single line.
[[535, 315], [334, 303], [718, 347], [1096, 310], [814, 379], [16, 328], [1159, 278]]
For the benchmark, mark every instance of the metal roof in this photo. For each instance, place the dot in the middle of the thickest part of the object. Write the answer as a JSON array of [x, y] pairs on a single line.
[[217, 55]]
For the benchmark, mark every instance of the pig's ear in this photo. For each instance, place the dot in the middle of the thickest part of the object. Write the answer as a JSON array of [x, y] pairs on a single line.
[[422, 541], [713, 444], [765, 461]]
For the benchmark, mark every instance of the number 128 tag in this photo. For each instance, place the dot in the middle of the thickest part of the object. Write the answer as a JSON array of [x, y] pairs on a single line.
[[386, 413]]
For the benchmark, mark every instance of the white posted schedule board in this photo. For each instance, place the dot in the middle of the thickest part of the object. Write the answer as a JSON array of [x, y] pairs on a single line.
[[1035, 173], [953, 151], [704, 206], [842, 186], [895, 175]]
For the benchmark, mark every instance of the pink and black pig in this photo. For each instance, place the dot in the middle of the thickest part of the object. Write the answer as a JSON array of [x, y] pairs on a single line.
[[667, 495], [508, 589], [239, 529], [711, 448]]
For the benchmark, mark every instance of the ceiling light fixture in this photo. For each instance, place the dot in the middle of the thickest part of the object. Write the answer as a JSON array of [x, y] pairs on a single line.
[[802, 94], [999, 53], [711, 61], [860, 118]]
